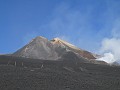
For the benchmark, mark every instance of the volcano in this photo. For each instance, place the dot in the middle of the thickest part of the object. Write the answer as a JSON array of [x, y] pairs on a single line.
[[55, 64], [42, 48]]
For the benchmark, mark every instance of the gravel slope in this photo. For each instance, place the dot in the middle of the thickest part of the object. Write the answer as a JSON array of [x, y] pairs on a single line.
[[32, 74]]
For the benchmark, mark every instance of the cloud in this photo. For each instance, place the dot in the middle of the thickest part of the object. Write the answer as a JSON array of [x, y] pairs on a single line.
[[111, 50], [107, 57], [111, 46]]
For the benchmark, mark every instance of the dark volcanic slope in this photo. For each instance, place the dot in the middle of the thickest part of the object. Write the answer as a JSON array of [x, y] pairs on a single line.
[[32, 74]]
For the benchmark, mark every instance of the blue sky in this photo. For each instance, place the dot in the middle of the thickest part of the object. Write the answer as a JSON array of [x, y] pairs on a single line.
[[84, 23]]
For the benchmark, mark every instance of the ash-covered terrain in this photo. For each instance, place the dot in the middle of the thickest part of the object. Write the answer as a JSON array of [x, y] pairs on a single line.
[[42, 48], [56, 65]]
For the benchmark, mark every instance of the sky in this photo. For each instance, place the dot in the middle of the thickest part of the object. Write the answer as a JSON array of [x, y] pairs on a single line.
[[93, 25]]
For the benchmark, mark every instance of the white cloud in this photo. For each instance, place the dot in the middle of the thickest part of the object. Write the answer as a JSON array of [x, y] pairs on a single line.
[[111, 50], [111, 46], [107, 57]]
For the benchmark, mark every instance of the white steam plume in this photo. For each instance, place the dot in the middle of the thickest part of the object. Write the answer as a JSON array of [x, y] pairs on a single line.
[[108, 57], [112, 46]]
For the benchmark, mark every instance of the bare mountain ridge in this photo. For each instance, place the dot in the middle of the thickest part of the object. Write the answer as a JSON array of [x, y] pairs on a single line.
[[75, 49], [42, 48], [38, 48]]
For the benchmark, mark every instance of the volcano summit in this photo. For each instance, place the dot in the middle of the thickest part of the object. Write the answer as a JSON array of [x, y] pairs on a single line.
[[42, 48]]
